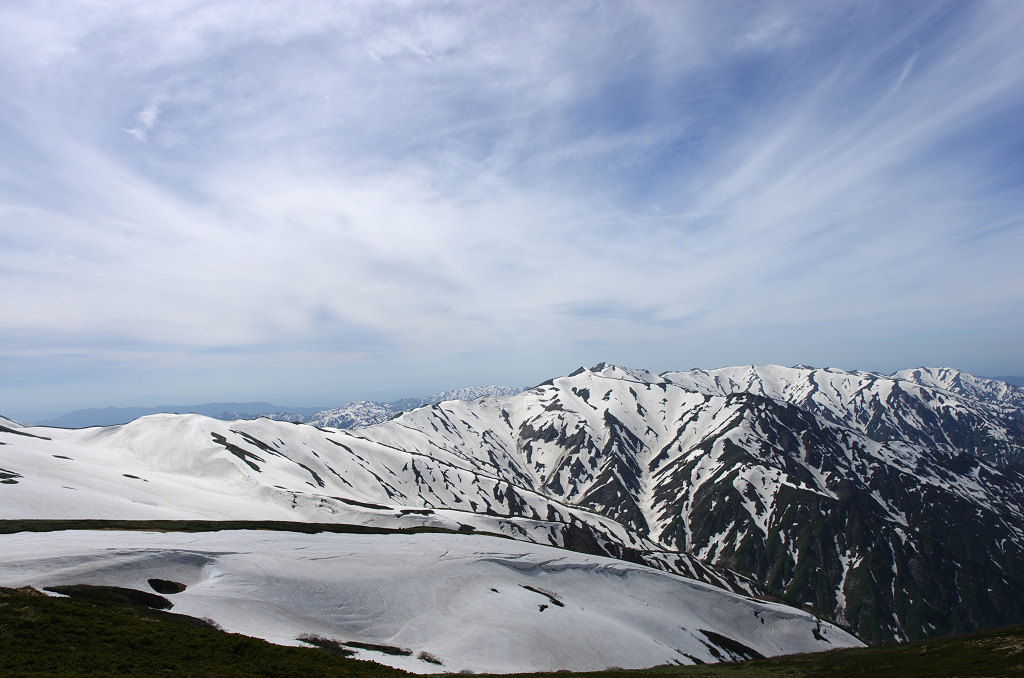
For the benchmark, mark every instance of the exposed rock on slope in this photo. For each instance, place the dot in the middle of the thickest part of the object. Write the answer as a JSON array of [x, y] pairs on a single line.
[[936, 407], [856, 495]]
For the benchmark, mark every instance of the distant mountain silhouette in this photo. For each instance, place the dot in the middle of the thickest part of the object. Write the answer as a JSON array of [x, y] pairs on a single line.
[[111, 416]]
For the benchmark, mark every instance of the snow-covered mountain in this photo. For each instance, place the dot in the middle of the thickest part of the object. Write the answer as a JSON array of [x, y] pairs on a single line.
[[817, 510], [855, 495], [937, 407], [353, 415], [465, 393], [168, 466], [112, 416], [359, 413], [369, 412], [991, 391]]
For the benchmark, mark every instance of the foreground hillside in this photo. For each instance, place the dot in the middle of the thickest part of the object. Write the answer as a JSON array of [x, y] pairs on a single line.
[[992, 654], [44, 636], [71, 637], [461, 602], [881, 503]]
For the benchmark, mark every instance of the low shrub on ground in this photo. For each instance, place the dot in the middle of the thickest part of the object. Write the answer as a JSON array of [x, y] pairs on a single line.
[[60, 637], [44, 636], [995, 653]]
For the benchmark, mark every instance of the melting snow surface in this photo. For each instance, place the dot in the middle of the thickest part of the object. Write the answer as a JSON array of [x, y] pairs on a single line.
[[474, 602]]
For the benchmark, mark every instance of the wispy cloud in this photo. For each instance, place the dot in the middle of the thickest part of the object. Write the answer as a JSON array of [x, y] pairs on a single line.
[[147, 118], [494, 191]]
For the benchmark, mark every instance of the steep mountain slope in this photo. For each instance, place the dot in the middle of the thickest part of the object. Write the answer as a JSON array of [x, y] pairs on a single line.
[[850, 493], [896, 539], [939, 408]]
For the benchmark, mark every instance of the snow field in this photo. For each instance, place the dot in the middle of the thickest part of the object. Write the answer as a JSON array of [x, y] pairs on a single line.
[[462, 598]]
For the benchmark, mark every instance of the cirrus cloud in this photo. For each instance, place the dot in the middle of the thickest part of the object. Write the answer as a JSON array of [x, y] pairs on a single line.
[[338, 200]]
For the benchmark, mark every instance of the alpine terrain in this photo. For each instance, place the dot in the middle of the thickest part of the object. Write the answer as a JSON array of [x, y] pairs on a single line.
[[367, 412], [887, 505]]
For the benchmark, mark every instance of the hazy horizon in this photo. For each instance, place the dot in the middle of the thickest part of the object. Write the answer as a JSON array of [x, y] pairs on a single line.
[[36, 417], [320, 202]]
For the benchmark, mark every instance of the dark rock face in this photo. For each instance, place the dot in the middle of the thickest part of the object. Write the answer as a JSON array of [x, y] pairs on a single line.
[[166, 587], [890, 550], [885, 518], [939, 408], [883, 503]]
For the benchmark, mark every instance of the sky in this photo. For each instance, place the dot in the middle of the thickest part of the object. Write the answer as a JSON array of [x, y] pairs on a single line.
[[314, 202]]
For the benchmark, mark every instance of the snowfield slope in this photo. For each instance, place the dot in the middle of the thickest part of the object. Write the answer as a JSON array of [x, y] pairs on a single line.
[[179, 467], [876, 502], [470, 602], [10, 423]]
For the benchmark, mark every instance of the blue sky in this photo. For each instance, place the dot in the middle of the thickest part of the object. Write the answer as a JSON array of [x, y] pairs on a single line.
[[313, 202]]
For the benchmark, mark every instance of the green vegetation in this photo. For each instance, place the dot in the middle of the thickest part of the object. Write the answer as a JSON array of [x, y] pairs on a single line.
[[59, 637], [43, 636], [113, 594], [996, 653], [12, 526]]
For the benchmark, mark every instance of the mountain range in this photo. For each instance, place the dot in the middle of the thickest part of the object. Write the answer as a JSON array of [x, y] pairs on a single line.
[[891, 506], [358, 413], [369, 412]]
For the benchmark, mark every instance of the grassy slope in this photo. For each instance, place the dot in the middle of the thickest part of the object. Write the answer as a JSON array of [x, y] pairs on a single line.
[[995, 653], [39, 525], [43, 636]]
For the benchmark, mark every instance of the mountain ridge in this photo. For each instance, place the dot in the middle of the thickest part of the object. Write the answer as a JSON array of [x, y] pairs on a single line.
[[856, 495], [355, 413], [898, 406], [115, 416]]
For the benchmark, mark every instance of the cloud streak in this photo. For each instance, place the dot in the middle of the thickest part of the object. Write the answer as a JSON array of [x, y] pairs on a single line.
[[147, 118], [473, 192]]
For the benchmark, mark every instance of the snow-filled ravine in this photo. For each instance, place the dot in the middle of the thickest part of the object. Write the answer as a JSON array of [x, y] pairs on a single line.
[[470, 601]]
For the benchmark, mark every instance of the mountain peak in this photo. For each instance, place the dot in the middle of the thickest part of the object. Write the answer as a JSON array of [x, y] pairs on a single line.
[[611, 371], [965, 384], [722, 475]]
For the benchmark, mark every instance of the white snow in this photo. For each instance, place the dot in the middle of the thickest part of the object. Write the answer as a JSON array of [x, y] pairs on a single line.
[[460, 598], [857, 399], [366, 413], [524, 465], [10, 423], [848, 562]]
